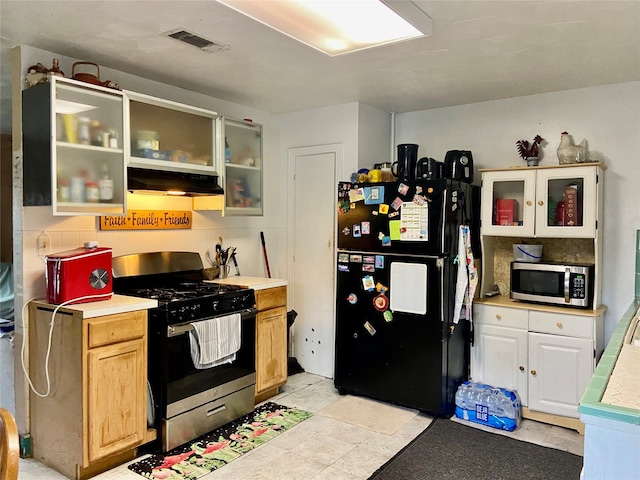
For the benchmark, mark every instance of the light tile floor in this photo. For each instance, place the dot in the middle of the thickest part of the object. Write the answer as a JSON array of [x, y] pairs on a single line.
[[321, 448]]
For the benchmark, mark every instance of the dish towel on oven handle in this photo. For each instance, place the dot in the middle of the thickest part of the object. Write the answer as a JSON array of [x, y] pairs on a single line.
[[215, 341], [467, 277]]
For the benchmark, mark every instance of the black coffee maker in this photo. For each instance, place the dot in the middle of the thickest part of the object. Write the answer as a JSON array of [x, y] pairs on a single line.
[[405, 168]]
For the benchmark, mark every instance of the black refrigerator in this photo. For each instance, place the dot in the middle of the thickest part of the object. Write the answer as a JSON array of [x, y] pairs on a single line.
[[395, 291]]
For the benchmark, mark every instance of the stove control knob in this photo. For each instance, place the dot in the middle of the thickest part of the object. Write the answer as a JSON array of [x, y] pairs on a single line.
[[215, 306]]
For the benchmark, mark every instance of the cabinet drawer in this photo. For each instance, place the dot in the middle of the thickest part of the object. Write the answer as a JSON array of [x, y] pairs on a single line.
[[116, 328], [502, 316], [271, 297], [558, 324]]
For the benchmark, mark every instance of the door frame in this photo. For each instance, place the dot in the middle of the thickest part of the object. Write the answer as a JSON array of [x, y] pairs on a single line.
[[337, 149]]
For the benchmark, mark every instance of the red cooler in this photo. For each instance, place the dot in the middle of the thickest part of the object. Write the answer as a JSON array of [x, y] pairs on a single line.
[[79, 276]]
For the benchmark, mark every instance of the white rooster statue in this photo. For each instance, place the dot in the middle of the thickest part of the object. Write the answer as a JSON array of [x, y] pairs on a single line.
[[569, 152]]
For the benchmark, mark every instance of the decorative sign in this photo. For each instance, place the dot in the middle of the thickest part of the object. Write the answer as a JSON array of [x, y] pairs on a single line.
[[147, 220]]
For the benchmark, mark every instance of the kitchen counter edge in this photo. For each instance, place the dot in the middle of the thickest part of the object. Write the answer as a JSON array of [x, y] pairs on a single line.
[[256, 283], [116, 304]]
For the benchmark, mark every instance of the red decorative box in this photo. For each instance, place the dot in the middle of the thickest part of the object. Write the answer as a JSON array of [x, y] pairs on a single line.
[[573, 206], [506, 211], [79, 276]]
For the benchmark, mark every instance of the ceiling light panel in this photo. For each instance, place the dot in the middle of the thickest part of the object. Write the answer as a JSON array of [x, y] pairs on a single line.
[[338, 27]]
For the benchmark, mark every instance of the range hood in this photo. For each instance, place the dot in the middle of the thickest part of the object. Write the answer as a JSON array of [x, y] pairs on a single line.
[[157, 181]]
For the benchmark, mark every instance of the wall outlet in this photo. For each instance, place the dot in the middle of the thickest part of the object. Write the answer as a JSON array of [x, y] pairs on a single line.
[[44, 244]]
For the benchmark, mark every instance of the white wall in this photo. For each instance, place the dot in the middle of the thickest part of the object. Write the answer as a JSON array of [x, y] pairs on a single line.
[[608, 117]]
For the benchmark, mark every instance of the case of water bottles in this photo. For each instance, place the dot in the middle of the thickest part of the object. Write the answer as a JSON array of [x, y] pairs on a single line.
[[482, 403]]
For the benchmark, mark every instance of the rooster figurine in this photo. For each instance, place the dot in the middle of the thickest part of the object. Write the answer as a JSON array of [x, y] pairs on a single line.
[[529, 152]]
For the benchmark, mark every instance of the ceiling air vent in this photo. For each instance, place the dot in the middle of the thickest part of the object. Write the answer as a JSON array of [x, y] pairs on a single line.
[[197, 41]]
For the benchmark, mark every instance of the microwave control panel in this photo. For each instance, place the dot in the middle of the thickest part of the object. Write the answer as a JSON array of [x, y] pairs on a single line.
[[577, 285]]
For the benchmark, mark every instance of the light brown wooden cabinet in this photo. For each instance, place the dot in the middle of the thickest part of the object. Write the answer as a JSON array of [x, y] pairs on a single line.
[[95, 415], [271, 341]]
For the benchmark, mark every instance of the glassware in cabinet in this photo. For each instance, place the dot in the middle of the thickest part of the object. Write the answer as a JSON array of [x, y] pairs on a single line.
[[166, 135], [73, 135], [242, 144]]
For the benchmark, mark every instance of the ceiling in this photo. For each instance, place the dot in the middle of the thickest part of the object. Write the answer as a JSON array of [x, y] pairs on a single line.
[[479, 51]]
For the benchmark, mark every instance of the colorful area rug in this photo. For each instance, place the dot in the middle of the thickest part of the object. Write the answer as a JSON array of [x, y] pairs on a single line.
[[221, 446]]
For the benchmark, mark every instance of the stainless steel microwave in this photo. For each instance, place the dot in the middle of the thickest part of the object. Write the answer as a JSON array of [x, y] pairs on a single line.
[[566, 284]]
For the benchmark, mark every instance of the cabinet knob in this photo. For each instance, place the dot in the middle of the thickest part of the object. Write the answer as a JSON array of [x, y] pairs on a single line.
[[521, 368], [498, 316], [529, 203], [533, 372], [540, 202], [559, 324]]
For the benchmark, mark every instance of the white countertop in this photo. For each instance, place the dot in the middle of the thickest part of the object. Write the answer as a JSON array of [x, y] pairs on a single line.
[[117, 304], [257, 283]]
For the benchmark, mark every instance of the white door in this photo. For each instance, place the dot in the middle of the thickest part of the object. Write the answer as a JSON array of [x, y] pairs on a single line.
[[499, 358], [560, 369], [312, 219]]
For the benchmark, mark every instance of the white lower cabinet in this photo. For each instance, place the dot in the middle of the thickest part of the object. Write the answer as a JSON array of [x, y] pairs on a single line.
[[560, 369], [547, 356], [499, 358]]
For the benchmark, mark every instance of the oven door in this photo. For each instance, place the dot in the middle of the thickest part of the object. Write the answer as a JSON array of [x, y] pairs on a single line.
[[191, 401]]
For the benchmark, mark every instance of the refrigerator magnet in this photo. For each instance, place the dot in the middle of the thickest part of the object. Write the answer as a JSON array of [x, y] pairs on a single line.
[[379, 261], [373, 195], [366, 228], [352, 298], [419, 189], [386, 241], [343, 268], [346, 231], [396, 204], [356, 195], [370, 328], [403, 189], [367, 267], [356, 231], [343, 257], [368, 259], [368, 283], [381, 302], [388, 316], [355, 258], [381, 288], [419, 199], [344, 206], [383, 208]]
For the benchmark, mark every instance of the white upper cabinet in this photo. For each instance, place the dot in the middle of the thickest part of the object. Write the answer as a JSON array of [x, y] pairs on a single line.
[[73, 148], [559, 201], [166, 135], [241, 153]]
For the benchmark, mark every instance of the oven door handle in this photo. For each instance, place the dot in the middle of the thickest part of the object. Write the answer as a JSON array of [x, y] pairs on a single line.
[[182, 328]]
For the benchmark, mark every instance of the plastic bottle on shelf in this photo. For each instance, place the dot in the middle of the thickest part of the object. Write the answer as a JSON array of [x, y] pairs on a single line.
[[63, 190], [227, 151], [92, 192], [105, 184], [84, 126]]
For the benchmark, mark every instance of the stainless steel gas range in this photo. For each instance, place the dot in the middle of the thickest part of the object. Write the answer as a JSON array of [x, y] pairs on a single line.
[[185, 401]]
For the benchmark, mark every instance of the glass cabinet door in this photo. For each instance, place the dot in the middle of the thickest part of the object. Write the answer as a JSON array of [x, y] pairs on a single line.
[[566, 202], [73, 155], [508, 199], [88, 157], [166, 135], [242, 152]]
